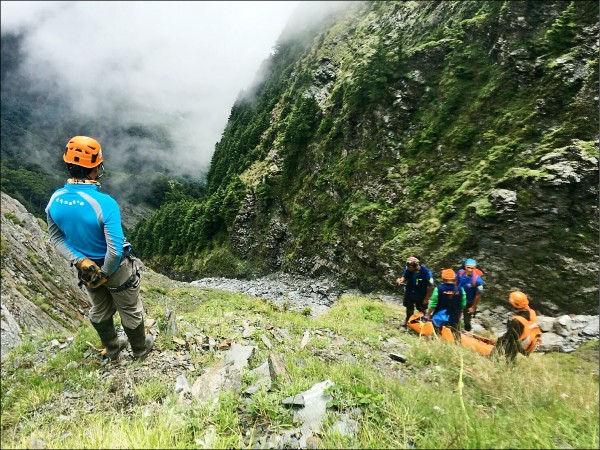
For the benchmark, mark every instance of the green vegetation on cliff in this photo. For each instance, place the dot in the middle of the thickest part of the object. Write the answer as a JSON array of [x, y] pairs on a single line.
[[441, 129]]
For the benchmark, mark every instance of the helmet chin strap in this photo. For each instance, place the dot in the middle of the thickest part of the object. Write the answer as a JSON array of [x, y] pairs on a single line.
[[100, 171]]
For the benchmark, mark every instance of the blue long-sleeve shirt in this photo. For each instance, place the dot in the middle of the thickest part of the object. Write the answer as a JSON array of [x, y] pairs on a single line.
[[86, 223]]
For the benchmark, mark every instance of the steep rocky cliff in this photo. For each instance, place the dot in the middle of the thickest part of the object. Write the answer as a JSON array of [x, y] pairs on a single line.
[[444, 130], [39, 288]]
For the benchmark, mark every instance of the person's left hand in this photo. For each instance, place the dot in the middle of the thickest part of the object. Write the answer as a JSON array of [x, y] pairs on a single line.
[[471, 310]]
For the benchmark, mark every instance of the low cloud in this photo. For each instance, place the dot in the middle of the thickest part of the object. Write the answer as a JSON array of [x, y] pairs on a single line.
[[175, 64]]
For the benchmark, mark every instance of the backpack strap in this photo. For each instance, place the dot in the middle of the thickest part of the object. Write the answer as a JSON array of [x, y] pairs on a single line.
[[530, 336], [461, 272]]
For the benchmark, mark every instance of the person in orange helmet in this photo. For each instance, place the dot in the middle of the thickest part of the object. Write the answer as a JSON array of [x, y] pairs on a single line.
[[523, 335], [447, 303], [84, 225]]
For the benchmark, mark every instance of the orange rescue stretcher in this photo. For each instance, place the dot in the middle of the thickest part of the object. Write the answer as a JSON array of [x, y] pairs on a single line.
[[424, 327]]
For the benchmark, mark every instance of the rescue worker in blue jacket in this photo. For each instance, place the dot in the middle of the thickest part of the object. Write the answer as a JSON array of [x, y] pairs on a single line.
[[449, 300], [84, 224], [419, 285], [470, 280]]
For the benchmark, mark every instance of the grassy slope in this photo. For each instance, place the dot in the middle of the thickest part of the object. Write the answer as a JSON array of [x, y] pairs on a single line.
[[545, 401]]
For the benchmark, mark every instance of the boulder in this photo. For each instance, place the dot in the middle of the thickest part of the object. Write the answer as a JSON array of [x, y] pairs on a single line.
[[552, 342], [591, 329], [562, 325], [546, 323]]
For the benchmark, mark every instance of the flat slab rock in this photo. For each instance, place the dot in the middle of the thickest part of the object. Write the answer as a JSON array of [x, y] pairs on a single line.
[[226, 374], [314, 405]]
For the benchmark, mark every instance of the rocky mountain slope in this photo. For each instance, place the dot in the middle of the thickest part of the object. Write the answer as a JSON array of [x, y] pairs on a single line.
[[444, 130], [39, 288]]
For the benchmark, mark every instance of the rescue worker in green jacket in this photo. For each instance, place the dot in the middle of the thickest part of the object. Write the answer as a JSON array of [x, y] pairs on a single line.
[[84, 224], [447, 303]]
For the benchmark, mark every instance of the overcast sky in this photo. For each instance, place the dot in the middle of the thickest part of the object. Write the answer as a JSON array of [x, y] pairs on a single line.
[[143, 60]]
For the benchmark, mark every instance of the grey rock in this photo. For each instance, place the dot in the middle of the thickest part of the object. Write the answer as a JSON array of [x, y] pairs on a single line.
[[263, 375], [581, 319], [274, 441], [277, 370], [348, 358], [294, 400], [591, 328], [562, 325], [171, 321], [546, 323], [299, 290], [398, 357], [208, 385], [302, 441], [503, 200], [248, 332], [284, 334], [239, 355], [11, 332], [311, 415], [69, 394], [564, 320], [552, 342], [251, 390], [182, 385]]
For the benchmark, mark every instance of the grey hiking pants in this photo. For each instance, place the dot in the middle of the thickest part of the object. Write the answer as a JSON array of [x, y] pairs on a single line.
[[105, 302]]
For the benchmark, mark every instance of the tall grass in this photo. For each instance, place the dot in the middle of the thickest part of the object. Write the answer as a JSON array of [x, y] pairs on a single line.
[[447, 396]]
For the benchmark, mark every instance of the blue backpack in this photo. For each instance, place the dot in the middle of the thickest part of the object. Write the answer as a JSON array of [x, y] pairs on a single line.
[[440, 318]]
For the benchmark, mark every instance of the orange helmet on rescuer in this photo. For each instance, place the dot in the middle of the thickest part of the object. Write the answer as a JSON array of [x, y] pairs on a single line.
[[83, 151], [448, 274], [518, 300]]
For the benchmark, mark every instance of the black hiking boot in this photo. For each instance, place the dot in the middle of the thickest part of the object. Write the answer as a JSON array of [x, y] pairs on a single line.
[[111, 341], [141, 343]]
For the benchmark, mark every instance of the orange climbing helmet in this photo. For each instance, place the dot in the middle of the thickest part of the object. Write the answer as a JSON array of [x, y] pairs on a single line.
[[83, 151], [518, 300], [448, 274]]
